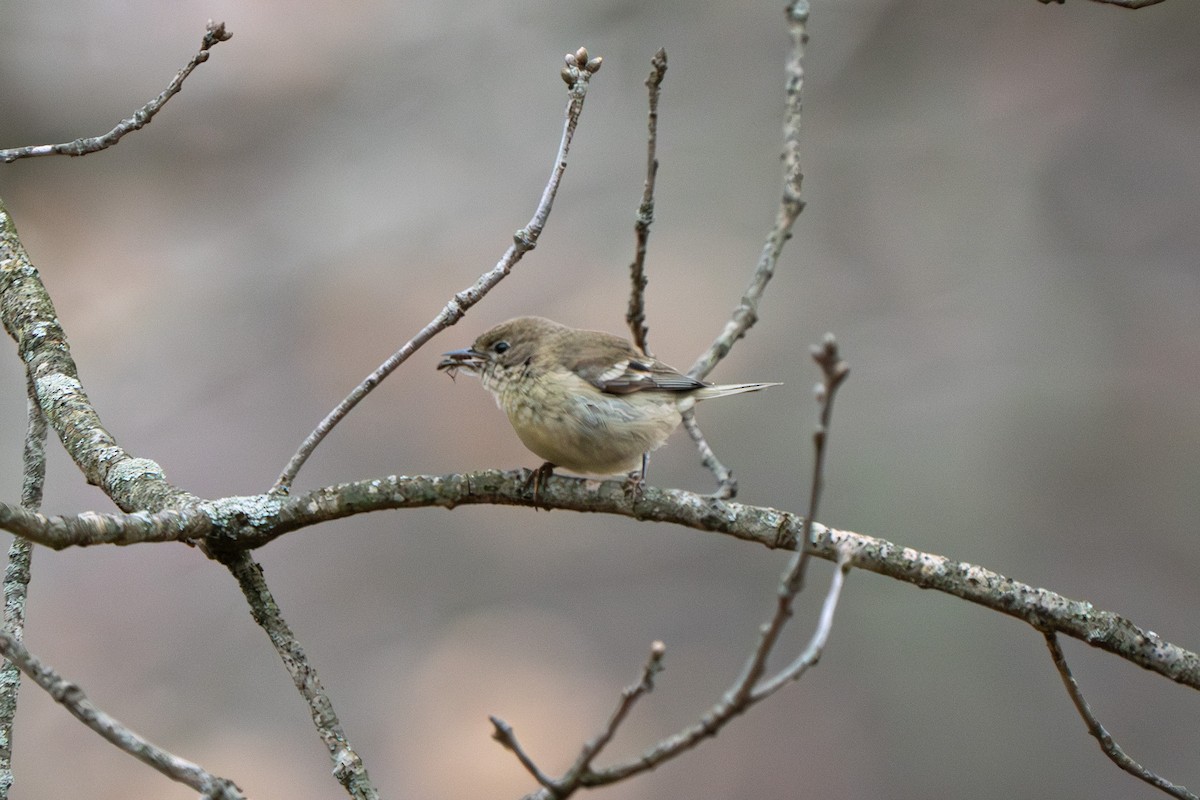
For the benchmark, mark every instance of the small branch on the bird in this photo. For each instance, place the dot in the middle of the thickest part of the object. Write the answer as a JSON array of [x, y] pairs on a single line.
[[348, 767], [577, 73], [214, 33], [746, 314], [727, 485], [636, 315], [17, 575], [71, 697], [1102, 736]]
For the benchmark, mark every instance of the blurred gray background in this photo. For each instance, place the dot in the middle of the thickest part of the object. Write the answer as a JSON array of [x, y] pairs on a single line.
[[1002, 230]]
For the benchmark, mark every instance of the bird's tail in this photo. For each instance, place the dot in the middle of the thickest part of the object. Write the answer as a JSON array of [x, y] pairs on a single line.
[[724, 390]]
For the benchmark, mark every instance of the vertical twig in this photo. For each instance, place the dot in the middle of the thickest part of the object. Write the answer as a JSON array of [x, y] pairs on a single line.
[[636, 315], [17, 576]]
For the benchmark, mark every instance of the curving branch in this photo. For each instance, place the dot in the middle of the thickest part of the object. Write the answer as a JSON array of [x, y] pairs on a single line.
[[214, 33], [576, 74], [1110, 748]]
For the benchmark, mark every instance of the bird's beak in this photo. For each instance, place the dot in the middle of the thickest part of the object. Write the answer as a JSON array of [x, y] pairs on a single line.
[[469, 359]]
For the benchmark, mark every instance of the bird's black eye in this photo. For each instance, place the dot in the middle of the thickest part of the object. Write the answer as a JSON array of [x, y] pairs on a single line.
[[500, 347]]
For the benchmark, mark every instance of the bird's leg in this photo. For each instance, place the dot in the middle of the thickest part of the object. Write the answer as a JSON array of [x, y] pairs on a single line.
[[636, 480], [537, 478]]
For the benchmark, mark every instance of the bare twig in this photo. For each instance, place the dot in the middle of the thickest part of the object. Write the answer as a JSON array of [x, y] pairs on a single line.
[[74, 700], [503, 733], [214, 33], [790, 206], [16, 578], [636, 315], [577, 73], [347, 765], [1110, 747], [727, 486]]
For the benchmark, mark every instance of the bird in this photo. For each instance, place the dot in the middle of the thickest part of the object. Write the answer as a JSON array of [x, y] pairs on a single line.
[[586, 401]]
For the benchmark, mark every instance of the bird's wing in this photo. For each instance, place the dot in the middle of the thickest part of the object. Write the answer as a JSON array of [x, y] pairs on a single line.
[[619, 369]]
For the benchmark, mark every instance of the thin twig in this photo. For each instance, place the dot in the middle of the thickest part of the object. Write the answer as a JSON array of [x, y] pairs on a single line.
[[347, 765], [727, 486], [503, 733], [577, 73], [629, 697], [16, 578], [636, 315], [740, 697], [70, 696], [214, 33], [790, 206], [1110, 747], [834, 372]]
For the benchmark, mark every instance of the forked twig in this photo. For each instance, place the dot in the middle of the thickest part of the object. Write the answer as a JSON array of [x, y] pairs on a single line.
[[1110, 747], [577, 73], [214, 33], [750, 687]]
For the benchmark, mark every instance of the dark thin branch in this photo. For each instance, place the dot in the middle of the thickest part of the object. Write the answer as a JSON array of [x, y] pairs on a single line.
[[347, 765], [71, 697], [636, 315], [1131, 4], [790, 205], [214, 33], [1110, 747], [577, 74]]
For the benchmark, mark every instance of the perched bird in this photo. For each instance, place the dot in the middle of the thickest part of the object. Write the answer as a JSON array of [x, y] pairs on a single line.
[[586, 401]]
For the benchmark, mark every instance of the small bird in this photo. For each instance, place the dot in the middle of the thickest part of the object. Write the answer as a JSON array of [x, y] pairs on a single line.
[[586, 401]]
